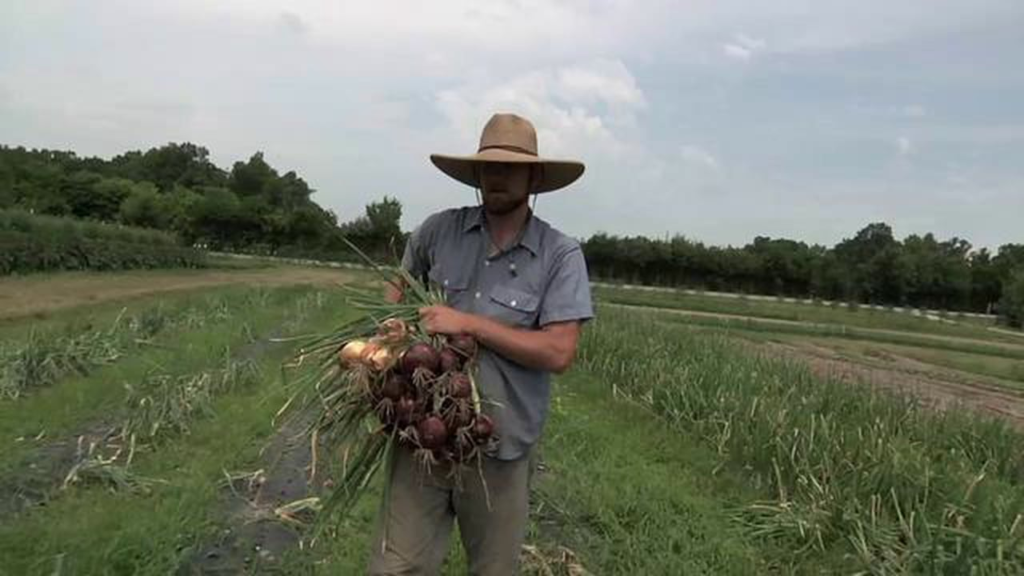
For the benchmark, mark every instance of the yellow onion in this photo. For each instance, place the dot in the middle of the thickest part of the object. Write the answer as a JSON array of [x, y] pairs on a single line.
[[392, 331], [378, 357], [352, 352]]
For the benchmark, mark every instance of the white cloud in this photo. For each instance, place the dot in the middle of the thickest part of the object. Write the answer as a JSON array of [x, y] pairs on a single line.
[[575, 109], [697, 156], [743, 47], [904, 145], [606, 81]]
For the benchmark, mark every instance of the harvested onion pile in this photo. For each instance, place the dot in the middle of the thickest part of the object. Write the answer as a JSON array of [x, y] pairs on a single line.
[[381, 383], [423, 394]]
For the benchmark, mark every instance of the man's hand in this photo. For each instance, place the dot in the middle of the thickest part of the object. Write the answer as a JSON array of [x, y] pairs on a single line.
[[446, 320], [550, 348]]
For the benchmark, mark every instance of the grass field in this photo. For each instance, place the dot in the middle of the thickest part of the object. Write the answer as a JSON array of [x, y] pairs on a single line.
[[862, 317], [675, 446]]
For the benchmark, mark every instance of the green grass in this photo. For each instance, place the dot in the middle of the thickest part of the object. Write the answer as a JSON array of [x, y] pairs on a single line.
[[89, 530], [73, 319], [843, 332], [57, 410], [1009, 372], [843, 471], [39, 357], [861, 317]]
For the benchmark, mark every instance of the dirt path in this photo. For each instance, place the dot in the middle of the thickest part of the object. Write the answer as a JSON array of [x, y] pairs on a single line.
[[256, 535], [32, 295], [937, 387], [858, 330]]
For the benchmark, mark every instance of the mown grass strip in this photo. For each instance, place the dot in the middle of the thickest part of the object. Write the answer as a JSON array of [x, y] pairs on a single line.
[[842, 469], [1015, 352], [860, 317]]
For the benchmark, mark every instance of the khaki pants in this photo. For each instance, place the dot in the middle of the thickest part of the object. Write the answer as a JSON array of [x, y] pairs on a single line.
[[417, 518]]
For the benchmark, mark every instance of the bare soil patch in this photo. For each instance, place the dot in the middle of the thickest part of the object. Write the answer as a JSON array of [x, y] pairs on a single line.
[[258, 533], [935, 386]]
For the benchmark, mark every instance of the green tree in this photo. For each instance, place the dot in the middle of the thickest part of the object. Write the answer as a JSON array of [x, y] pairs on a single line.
[[108, 195], [378, 231], [252, 177], [1011, 306], [146, 207]]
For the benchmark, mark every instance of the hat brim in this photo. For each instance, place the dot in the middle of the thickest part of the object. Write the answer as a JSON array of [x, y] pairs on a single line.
[[556, 174]]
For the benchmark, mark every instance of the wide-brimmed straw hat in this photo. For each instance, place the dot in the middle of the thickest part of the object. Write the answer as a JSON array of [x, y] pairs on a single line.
[[509, 138]]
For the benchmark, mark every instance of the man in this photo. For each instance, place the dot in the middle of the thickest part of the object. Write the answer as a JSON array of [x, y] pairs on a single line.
[[520, 288]]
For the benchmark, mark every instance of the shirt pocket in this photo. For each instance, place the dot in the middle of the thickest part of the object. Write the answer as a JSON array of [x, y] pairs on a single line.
[[454, 286], [514, 306]]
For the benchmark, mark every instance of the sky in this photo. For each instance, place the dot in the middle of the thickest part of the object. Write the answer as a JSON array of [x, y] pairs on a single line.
[[719, 120]]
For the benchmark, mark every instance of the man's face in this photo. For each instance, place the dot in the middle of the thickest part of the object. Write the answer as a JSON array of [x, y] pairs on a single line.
[[504, 186]]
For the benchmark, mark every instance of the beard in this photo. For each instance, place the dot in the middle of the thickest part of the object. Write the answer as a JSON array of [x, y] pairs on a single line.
[[501, 203]]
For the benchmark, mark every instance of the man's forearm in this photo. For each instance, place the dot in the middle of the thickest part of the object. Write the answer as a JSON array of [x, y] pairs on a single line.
[[551, 348]]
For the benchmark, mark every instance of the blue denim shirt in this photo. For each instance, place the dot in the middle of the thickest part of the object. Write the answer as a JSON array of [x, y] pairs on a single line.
[[540, 279]]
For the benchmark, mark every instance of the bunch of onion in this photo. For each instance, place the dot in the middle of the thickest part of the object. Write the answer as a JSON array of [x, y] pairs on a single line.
[[381, 383]]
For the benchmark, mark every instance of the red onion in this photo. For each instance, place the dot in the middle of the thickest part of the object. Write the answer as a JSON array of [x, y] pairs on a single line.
[[450, 360], [432, 432], [420, 355], [405, 410], [459, 385], [395, 385], [464, 344], [483, 428]]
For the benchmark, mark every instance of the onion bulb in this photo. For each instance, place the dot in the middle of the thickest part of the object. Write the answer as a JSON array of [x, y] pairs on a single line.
[[459, 385], [432, 432], [483, 428], [464, 344], [450, 360], [420, 356], [352, 352], [377, 356]]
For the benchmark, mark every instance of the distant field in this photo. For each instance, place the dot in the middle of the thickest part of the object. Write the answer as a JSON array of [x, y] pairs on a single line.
[[40, 294], [862, 317], [942, 363]]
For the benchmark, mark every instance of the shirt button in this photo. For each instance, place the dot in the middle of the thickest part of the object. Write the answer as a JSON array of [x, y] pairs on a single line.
[[446, 282], [513, 303], [477, 295], [487, 262]]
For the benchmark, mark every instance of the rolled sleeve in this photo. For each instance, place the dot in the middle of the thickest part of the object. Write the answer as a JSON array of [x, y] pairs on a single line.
[[417, 256], [413, 259], [568, 293]]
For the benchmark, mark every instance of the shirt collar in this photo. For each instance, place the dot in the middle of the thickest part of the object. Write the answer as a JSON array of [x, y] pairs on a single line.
[[530, 239]]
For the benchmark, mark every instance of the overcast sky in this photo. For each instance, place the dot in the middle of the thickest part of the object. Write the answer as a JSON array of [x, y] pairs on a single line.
[[716, 119]]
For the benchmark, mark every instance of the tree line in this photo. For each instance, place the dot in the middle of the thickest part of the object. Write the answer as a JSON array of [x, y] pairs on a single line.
[[251, 207], [872, 266], [254, 208]]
